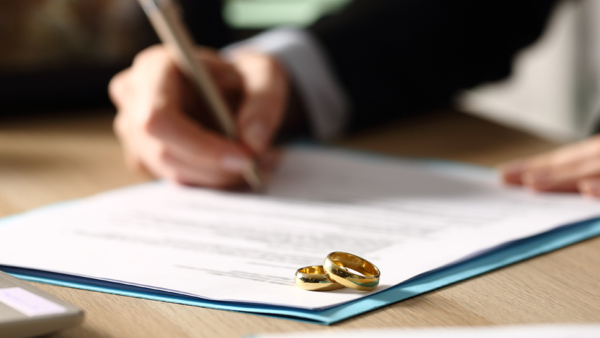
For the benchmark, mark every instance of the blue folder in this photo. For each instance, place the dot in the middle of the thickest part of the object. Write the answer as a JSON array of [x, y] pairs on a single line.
[[489, 260]]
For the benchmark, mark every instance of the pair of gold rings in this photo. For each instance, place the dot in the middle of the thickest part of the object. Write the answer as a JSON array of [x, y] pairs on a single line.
[[334, 274]]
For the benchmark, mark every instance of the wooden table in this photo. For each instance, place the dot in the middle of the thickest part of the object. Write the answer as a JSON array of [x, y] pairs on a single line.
[[44, 160]]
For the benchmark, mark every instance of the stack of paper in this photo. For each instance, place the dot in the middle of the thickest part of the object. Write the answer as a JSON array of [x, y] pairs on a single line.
[[424, 224]]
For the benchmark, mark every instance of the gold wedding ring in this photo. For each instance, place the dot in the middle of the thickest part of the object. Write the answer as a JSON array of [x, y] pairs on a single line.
[[314, 278], [337, 264]]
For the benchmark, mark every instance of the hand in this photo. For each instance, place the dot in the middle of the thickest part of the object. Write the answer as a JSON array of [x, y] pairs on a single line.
[[574, 167], [155, 104]]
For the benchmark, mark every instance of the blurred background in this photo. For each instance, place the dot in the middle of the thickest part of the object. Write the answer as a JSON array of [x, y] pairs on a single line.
[[56, 53], [60, 55]]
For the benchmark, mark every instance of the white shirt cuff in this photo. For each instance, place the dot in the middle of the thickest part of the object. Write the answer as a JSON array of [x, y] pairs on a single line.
[[325, 100]]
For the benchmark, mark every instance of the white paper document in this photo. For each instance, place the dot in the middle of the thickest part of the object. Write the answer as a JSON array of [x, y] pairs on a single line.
[[546, 331], [407, 217]]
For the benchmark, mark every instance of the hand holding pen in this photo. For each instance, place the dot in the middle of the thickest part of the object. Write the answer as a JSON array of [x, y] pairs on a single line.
[[157, 98]]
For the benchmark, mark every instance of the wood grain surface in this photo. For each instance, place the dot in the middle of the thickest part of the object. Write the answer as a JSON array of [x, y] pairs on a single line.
[[47, 160]]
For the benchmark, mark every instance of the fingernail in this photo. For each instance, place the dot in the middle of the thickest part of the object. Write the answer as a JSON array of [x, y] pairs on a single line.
[[538, 179], [256, 135], [235, 163]]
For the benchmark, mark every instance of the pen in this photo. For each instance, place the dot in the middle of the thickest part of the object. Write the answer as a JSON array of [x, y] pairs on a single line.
[[165, 17]]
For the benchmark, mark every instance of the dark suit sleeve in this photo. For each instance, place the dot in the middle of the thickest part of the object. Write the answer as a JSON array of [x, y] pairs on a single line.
[[403, 56], [205, 20]]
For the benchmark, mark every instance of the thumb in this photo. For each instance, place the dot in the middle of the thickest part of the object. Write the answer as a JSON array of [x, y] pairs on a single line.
[[263, 106]]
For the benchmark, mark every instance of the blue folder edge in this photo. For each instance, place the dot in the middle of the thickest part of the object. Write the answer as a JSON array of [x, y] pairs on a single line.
[[492, 259]]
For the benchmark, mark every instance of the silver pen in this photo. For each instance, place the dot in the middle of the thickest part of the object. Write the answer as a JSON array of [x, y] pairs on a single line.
[[165, 17]]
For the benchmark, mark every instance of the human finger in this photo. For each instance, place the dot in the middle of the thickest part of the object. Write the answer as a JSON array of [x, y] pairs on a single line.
[[540, 168], [562, 169], [511, 172], [263, 106], [590, 187], [205, 148], [161, 161], [564, 177], [179, 170]]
